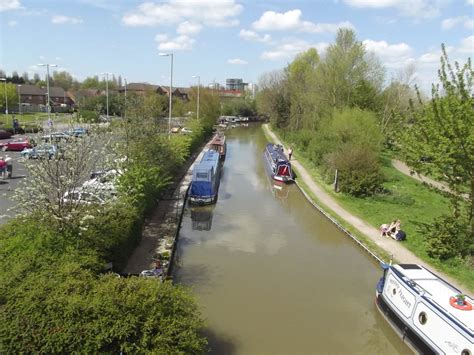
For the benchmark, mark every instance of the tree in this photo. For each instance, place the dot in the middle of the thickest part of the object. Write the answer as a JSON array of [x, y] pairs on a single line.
[[304, 101], [273, 99], [36, 78], [346, 67], [62, 79], [12, 97], [439, 139], [25, 77]]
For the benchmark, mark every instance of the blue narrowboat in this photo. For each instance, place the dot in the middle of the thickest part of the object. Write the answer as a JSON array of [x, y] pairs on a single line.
[[276, 163], [206, 178]]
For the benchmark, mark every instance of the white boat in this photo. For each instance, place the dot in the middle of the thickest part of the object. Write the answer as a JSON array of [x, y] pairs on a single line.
[[429, 314]]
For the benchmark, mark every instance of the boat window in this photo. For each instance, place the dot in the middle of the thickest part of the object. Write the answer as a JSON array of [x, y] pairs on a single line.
[[201, 175], [423, 318]]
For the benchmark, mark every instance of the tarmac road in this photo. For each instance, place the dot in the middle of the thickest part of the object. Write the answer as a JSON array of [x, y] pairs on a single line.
[[8, 186]]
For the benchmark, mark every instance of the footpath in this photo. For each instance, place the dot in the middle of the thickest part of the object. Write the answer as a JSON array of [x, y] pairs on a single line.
[[399, 252]]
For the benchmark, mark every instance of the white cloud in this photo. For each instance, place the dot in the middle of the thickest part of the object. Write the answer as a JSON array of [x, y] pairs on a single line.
[[467, 45], [161, 37], [188, 28], [178, 43], [290, 47], [291, 20], [6, 5], [415, 8], [469, 2], [12, 23], [237, 61], [62, 20], [206, 12], [392, 55], [253, 36], [451, 22]]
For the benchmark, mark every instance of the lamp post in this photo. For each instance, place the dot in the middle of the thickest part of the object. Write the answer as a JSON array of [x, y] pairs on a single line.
[[171, 90], [125, 104], [199, 84], [107, 91], [19, 98], [6, 97], [47, 65]]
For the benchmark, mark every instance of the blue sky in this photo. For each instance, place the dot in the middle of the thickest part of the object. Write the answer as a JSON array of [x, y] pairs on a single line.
[[219, 39]]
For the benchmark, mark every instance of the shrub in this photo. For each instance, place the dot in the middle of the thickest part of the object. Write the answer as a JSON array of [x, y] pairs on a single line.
[[359, 172]]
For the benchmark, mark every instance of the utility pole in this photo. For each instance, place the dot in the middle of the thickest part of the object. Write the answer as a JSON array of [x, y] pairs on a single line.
[[47, 87]]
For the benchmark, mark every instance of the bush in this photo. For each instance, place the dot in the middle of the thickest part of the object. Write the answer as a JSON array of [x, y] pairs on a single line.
[[359, 172]]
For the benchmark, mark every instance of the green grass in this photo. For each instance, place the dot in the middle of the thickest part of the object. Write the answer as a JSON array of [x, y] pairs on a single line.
[[407, 199], [32, 118]]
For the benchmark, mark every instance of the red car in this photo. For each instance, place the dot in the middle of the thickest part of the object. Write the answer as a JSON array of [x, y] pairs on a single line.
[[17, 144]]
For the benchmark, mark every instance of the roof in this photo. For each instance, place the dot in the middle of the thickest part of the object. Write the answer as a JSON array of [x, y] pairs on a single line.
[[139, 87], [54, 91], [208, 161], [438, 291]]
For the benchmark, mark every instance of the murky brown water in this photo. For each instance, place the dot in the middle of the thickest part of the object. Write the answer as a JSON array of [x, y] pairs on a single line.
[[272, 275]]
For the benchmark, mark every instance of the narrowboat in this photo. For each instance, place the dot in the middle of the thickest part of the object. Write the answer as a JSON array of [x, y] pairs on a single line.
[[219, 145], [276, 163], [206, 178], [429, 314]]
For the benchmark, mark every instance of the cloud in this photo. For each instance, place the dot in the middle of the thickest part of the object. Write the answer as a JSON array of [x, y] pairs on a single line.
[[414, 8], [206, 12], [291, 21], [12, 23], [469, 2], [392, 55], [290, 47], [178, 43], [253, 36], [467, 45], [63, 20], [188, 28], [451, 22], [237, 61], [6, 5]]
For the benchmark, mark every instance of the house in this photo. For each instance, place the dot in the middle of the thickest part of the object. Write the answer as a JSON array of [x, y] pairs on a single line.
[[34, 98], [143, 88]]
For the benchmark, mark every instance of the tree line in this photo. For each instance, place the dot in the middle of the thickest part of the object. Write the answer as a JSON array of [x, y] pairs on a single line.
[[339, 111]]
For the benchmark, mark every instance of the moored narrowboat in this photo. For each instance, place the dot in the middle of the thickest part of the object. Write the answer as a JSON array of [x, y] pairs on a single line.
[[276, 163], [206, 178], [429, 314], [219, 145]]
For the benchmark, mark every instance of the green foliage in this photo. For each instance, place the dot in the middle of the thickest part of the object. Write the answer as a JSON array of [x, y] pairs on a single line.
[[448, 237], [63, 307], [11, 96], [443, 131], [239, 107]]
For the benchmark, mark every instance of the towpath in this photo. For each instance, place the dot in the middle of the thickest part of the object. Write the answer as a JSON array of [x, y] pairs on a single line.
[[400, 253]]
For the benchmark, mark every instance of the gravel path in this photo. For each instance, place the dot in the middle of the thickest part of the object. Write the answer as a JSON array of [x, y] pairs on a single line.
[[400, 253]]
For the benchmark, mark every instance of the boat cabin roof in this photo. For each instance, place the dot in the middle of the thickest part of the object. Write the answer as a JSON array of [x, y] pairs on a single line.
[[209, 161], [276, 152], [219, 139], [437, 291]]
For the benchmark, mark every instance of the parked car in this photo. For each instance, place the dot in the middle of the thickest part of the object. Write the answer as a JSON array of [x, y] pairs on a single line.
[[175, 129], [76, 132], [102, 180], [17, 144], [186, 130], [5, 134], [87, 197], [56, 137], [40, 151]]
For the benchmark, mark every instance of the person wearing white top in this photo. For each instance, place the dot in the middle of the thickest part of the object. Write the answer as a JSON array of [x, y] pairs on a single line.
[[9, 162]]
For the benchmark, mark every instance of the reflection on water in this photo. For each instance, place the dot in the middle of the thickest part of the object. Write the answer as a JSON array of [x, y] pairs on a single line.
[[202, 218], [272, 275]]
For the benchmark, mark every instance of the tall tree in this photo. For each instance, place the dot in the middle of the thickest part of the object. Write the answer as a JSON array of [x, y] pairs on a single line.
[[25, 77], [304, 105], [273, 98], [62, 79], [345, 68], [443, 131]]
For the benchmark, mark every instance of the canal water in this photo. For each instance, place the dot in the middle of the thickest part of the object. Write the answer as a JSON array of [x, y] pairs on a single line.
[[271, 274]]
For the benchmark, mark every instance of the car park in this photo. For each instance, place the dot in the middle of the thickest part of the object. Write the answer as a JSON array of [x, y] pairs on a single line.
[[4, 134], [17, 144], [40, 151]]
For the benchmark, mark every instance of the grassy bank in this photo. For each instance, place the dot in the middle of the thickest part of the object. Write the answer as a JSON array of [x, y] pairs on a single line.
[[414, 203]]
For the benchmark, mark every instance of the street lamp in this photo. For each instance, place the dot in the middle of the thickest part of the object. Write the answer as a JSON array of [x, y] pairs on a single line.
[[47, 65], [107, 91], [125, 105], [171, 88], [19, 98], [199, 84], [6, 97]]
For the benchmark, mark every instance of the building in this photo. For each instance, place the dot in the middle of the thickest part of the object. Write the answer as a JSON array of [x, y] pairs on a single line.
[[34, 98], [143, 88], [235, 84]]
